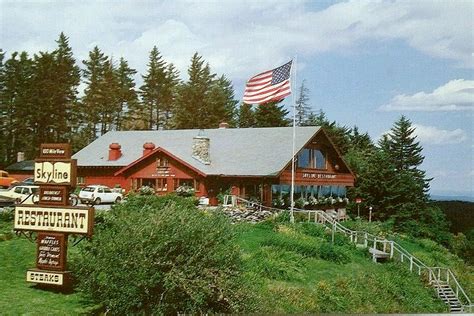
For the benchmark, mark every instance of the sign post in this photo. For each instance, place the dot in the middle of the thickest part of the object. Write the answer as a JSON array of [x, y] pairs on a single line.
[[53, 219], [358, 201]]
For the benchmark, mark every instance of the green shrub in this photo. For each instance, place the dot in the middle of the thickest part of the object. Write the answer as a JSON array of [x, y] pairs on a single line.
[[304, 247], [311, 229], [160, 255], [333, 253], [273, 263], [7, 215]]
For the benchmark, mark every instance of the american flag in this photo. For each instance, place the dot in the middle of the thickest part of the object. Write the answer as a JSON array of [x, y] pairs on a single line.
[[271, 85]]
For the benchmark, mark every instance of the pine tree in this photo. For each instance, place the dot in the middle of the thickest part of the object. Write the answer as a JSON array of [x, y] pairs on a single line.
[[127, 96], [405, 154], [169, 95], [271, 114], [203, 101], [15, 101], [338, 134], [3, 112], [111, 105], [67, 77], [221, 103], [47, 116], [93, 102], [246, 116], [302, 106], [151, 107]]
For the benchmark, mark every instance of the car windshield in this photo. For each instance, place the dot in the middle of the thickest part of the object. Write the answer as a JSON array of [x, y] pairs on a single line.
[[34, 190], [88, 189]]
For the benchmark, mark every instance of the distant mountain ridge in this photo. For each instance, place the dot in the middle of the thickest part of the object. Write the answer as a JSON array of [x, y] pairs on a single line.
[[440, 197]]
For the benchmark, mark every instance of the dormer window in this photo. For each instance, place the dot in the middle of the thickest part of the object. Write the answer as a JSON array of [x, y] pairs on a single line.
[[310, 158]]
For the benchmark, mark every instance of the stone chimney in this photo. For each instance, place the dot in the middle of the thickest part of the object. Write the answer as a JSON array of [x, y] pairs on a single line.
[[201, 149], [20, 156], [223, 125], [148, 147], [115, 151]]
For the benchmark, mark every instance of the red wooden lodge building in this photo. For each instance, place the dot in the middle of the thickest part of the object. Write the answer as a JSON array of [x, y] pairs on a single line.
[[248, 162]]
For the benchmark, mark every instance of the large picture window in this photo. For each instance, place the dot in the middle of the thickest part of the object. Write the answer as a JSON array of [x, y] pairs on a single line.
[[312, 159]]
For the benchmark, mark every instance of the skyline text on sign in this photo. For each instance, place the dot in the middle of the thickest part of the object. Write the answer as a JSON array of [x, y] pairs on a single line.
[[53, 172]]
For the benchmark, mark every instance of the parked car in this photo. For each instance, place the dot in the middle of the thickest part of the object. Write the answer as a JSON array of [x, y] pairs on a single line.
[[6, 180], [21, 193], [27, 181], [97, 194]]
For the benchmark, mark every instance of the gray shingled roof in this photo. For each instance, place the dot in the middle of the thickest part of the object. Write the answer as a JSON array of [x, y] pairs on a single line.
[[233, 151]]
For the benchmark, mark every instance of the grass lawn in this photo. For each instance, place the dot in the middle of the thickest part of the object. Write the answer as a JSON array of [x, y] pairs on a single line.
[[293, 267], [18, 297], [293, 282]]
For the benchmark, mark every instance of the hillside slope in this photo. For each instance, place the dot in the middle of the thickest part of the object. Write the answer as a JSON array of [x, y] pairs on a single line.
[[296, 269]]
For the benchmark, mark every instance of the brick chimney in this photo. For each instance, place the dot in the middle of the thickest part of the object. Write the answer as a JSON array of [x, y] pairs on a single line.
[[223, 125], [148, 148], [114, 151], [201, 146]]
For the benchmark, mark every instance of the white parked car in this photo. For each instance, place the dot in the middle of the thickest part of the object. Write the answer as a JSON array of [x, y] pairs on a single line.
[[97, 194], [21, 193]]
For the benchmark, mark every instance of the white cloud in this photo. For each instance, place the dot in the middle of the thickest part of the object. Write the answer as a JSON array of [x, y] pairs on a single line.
[[456, 95], [435, 136], [238, 37]]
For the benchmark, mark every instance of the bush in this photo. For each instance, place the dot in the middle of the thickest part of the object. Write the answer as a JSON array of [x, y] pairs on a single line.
[[307, 248], [7, 215], [311, 229], [276, 264], [160, 255], [333, 253]]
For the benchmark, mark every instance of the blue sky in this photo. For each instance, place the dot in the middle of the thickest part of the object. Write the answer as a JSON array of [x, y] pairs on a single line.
[[365, 62]]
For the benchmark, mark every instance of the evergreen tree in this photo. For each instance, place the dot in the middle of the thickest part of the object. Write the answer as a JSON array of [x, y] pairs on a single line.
[[338, 134], [151, 108], [46, 116], [221, 103], [302, 106], [15, 101], [93, 102], [67, 77], [271, 114], [111, 105], [3, 113], [203, 101], [404, 153], [169, 94], [127, 96], [246, 116]]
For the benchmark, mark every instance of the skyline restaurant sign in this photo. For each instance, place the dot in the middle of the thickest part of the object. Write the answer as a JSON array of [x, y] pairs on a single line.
[[53, 219]]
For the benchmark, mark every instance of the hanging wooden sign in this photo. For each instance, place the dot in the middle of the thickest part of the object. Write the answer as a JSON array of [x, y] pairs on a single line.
[[59, 278], [56, 151], [51, 251], [71, 220], [53, 195], [61, 172]]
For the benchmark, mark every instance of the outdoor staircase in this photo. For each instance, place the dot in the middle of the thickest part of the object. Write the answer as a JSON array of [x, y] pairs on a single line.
[[446, 293], [442, 280]]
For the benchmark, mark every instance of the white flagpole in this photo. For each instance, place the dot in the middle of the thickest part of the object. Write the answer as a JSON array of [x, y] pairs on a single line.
[[293, 91]]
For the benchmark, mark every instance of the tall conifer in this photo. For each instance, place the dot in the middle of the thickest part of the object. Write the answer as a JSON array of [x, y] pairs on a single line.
[[271, 114], [151, 108], [246, 116]]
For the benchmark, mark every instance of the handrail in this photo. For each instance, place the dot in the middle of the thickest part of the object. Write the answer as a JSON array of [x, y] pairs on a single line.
[[368, 237]]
